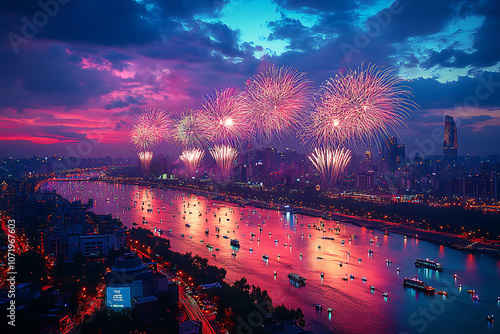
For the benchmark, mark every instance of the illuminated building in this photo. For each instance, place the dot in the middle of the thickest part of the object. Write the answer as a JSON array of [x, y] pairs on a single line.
[[130, 279], [450, 147]]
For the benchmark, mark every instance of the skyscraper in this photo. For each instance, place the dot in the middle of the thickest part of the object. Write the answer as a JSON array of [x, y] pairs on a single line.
[[390, 153], [450, 147]]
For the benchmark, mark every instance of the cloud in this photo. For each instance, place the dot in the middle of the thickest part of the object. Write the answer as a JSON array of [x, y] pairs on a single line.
[[62, 133], [121, 104], [482, 90], [46, 75]]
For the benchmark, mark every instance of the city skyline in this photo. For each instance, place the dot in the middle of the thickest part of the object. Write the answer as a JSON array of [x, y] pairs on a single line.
[[70, 90]]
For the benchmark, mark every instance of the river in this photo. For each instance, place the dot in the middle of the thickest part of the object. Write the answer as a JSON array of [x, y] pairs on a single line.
[[285, 236]]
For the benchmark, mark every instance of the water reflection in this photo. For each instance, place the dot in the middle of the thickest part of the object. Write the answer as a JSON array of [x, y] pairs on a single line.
[[352, 300]]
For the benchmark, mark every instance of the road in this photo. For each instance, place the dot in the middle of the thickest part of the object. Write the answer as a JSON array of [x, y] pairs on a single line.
[[188, 303], [92, 304]]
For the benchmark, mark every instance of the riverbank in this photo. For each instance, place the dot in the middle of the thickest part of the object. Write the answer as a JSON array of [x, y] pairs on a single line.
[[445, 239]]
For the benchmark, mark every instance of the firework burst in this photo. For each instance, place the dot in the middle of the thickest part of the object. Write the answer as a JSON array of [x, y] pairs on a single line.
[[330, 163], [226, 117], [191, 159], [224, 156], [277, 98], [150, 128], [190, 130], [357, 107]]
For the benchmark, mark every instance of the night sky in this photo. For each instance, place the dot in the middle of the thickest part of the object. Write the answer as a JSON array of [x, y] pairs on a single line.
[[73, 72]]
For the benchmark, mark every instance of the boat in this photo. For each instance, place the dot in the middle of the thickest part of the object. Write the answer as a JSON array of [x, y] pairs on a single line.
[[416, 284], [429, 264], [235, 243], [298, 279]]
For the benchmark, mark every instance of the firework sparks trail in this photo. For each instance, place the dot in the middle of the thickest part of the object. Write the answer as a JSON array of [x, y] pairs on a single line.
[[330, 163], [357, 107], [190, 130], [145, 157], [191, 159], [227, 117], [149, 129], [277, 99], [224, 156]]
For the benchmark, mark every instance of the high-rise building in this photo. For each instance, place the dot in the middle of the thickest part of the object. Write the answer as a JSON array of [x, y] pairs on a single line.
[[401, 157], [390, 153], [450, 147]]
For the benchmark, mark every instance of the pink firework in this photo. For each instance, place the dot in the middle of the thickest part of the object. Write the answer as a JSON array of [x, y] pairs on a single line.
[[149, 129], [190, 130], [191, 159], [224, 156], [358, 107], [145, 157], [226, 117], [330, 163], [277, 99]]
